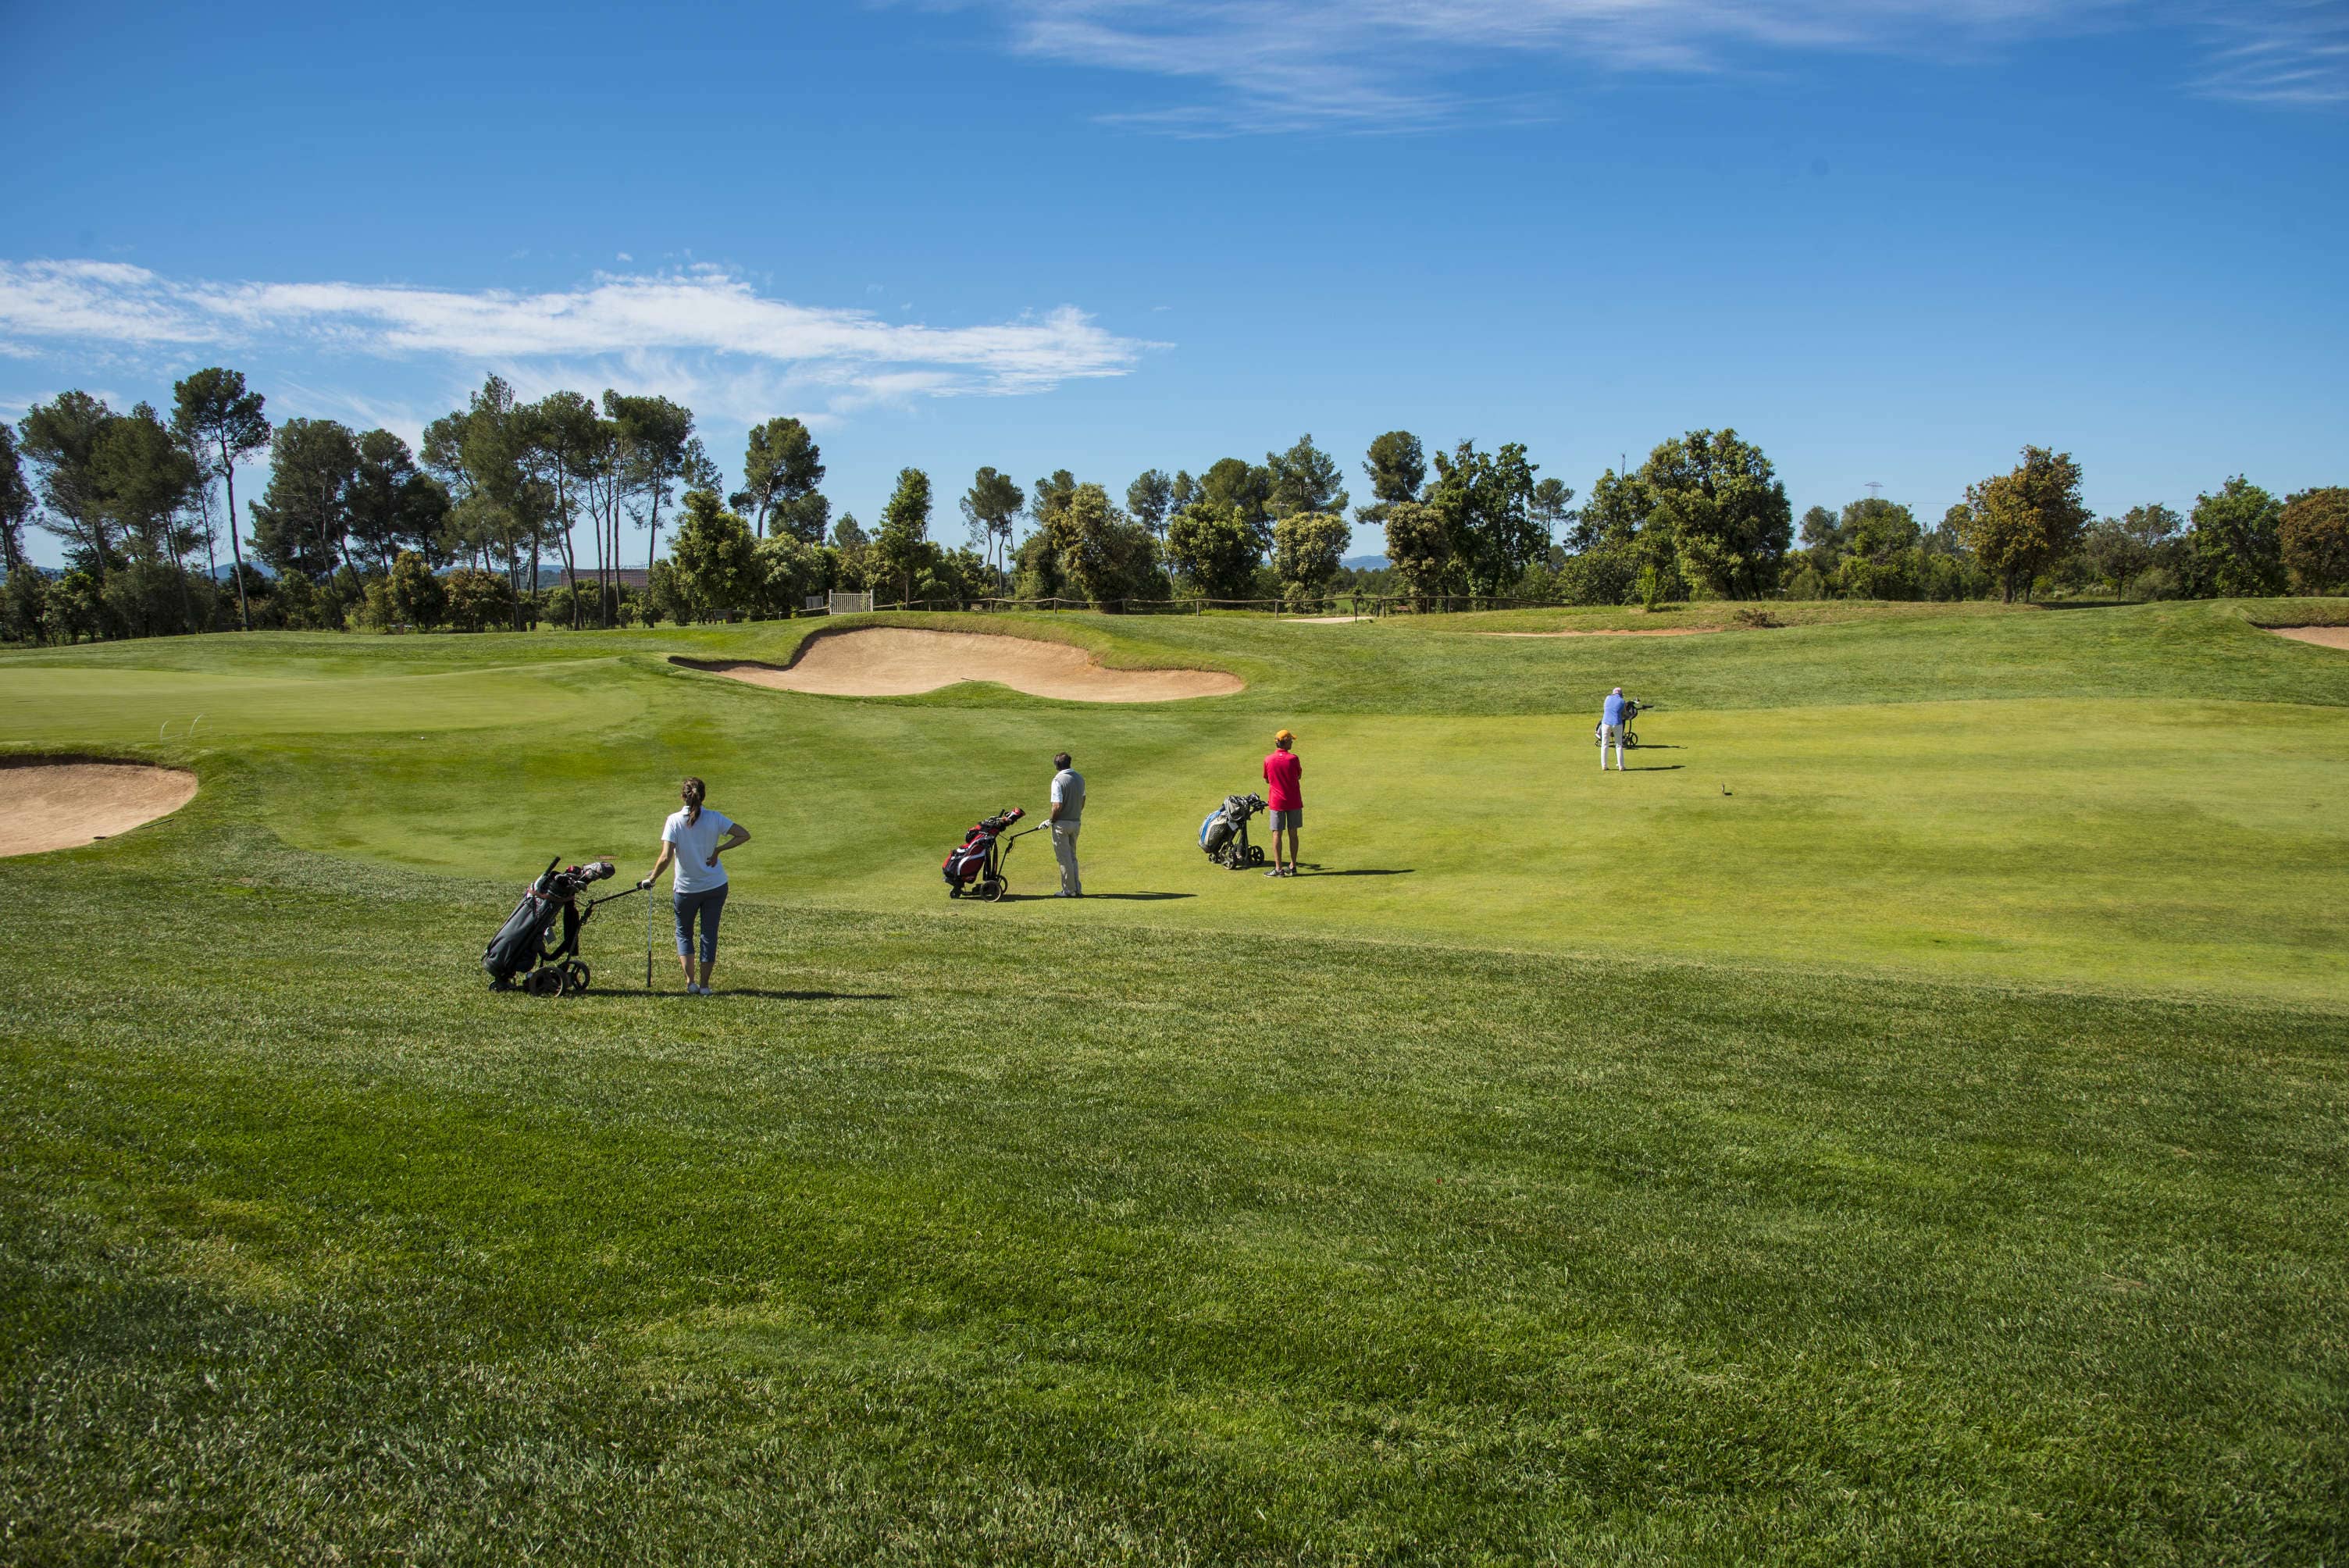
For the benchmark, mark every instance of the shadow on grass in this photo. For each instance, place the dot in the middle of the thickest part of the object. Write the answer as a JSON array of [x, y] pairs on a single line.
[[1366, 871], [670, 996], [1091, 897]]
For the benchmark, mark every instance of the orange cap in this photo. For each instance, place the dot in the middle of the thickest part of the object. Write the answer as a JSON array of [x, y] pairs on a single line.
[[1284, 734]]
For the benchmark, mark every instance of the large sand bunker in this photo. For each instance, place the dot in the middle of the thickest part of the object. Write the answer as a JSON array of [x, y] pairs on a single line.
[[2322, 636], [895, 661], [65, 805]]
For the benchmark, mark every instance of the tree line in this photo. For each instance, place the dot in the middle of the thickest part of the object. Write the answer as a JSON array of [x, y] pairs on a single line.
[[356, 530]]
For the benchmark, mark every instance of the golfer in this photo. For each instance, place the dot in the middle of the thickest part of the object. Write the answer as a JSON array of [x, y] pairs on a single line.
[[1284, 799], [694, 838], [1065, 818], [1610, 728]]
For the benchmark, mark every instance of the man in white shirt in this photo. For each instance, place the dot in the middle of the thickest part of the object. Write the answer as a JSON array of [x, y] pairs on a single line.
[[1067, 815]]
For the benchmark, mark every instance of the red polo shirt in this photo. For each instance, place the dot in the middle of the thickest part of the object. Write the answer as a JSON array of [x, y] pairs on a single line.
[[1283, 779]]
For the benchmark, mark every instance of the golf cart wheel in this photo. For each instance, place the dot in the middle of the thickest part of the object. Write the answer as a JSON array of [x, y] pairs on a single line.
[[1630, 741], [544, 983], [953, 892], [1255, 855], [993, 891], [575, 976]]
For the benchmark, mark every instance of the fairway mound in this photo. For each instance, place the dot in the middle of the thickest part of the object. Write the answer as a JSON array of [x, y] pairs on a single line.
[[896, 661], [1629, 632], [52, 805], [2322, 636]]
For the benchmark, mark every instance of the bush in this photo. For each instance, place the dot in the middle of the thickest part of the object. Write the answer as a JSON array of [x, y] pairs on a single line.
[[478, 600]]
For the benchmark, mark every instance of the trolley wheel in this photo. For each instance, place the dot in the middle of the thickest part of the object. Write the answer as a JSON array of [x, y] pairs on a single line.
[[993, 891], [544, 983], [954, 891], [1255, 855], [575, 976], [1631, 742]]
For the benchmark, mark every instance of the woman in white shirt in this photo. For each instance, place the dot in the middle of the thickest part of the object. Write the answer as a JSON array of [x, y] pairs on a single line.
[[694, 838]]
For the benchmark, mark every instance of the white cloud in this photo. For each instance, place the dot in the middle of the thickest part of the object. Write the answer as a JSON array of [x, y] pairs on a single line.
[[1366, 66], [704, 324]]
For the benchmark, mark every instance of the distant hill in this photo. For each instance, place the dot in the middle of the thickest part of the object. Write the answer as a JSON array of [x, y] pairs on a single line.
[[1364, 564]]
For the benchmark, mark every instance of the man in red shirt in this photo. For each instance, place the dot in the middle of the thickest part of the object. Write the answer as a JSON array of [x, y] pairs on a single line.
[[1284, 798]]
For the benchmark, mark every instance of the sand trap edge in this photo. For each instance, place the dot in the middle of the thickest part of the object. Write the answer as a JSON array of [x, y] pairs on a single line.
[[2313, 636], [1093, 671], [14, 841]]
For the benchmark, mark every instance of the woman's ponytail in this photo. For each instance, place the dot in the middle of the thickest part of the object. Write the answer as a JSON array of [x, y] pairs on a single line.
[[693, 791]]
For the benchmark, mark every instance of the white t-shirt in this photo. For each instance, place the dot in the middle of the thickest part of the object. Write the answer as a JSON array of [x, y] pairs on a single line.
[[1069, 795], [695, 842]]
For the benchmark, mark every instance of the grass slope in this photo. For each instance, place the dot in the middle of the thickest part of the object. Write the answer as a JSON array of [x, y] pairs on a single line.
[[1932, 1149], [1094, 1250]]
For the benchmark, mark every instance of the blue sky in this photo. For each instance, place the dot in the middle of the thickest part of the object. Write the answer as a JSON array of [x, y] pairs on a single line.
[[1891, 241]]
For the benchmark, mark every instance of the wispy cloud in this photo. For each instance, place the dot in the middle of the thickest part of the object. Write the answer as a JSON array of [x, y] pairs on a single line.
[[703, 325], [1394, 65]]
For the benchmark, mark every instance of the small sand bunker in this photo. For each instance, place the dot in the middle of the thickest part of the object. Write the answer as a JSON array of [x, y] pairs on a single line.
[[895, 661], [2322, 636], [1322, 620], [63, 805], [1634, 632]]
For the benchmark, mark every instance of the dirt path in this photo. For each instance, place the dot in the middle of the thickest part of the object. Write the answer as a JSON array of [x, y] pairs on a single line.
[[63, 805], [2322, 636], [892, 661]]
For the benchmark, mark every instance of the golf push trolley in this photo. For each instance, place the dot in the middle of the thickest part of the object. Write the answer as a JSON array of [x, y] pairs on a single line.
[[1632, 708], [526, 954], [975, 870]]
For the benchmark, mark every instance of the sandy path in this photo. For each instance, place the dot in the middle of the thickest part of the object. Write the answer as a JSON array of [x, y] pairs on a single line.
[[2322, 636], [895, 661], [1639, 632], [65, 805]]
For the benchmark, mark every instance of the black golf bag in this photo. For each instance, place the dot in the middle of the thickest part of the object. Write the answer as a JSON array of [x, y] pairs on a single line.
[[1225, 834], [527, 953], [975, 870]]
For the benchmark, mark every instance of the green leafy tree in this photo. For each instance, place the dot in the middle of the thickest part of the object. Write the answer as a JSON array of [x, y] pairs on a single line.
[[2236, 539], [1105, 556], [394, 506], [1303, 478], [1396, 466], [1729, 516], [716, 559], [477, 600], [902, 549], [1553, 505], [782, 467], [789, 571], [60, 440], [302, 523], [560, 438], [2019, 523], [417, 597], [15, 502], [1215, 548], [1244, 486], [1485, 499], [1307, 547], [76, 608], [25, 603], [147, 480], [991, 507], [1182, 493], [1051, 495], [217, 416], [1150, 498], [1421, 550], [2313, 536], [659, 452]]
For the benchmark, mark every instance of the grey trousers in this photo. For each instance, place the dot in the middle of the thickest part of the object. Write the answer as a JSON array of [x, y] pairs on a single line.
[[1065, 850]]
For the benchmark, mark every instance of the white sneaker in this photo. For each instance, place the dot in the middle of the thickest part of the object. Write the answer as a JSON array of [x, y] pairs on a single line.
[[693, 988]]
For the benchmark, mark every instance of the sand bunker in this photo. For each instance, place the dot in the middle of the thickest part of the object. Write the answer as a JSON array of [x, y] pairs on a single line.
[[2322, 636], [65, 805], [1638, 632], [892, 661]]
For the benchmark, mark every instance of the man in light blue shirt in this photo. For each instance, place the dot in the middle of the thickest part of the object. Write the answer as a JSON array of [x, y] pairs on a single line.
[[1067, 815], [1610, 728]]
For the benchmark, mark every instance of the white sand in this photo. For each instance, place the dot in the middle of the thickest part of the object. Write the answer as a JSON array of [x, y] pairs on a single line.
[[2322, 636], [63, 805], [893, 661]]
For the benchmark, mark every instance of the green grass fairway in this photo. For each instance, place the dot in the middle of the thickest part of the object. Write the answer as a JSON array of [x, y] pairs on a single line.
[[1905, 1119]]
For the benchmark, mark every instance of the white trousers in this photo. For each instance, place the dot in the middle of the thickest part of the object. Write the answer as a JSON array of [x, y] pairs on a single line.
[[1611, 734], [1065, 850]]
